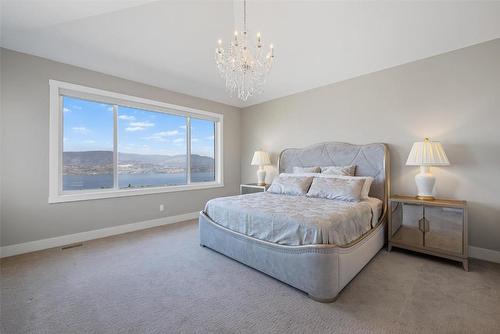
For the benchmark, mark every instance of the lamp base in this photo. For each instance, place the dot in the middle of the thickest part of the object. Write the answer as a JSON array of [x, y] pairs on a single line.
[[261, 176], [425, 183], [427, 198]]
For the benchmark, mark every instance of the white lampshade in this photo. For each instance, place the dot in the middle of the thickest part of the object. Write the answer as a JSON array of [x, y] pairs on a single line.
[[427, 153], [261, 158]]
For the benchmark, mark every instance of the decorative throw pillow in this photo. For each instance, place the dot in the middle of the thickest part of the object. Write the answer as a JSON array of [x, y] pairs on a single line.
[[290, 185], [368, 180], [299, 170], [344, 189], [339, 170]]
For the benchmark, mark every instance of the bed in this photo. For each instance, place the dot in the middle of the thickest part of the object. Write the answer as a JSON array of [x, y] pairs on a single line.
[[314, 245]]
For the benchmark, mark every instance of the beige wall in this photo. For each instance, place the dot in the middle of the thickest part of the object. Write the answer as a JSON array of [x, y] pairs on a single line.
[[453, 98], [26, 215]]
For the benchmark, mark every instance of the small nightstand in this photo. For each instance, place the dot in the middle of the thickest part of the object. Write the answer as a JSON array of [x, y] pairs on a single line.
[[250, 188], [436, 227]]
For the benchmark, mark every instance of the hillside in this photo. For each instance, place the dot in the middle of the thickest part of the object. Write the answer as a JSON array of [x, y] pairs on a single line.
[[97, 162]]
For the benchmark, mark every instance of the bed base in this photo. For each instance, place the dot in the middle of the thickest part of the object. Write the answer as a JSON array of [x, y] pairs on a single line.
[[321, 271]]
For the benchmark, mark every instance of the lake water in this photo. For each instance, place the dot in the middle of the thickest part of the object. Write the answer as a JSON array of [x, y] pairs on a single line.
[[103, 181]]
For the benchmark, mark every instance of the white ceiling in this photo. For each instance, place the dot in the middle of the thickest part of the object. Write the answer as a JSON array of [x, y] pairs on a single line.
[[170, 44]]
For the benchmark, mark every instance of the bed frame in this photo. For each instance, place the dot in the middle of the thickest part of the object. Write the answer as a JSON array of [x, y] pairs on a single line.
[[321, 271]]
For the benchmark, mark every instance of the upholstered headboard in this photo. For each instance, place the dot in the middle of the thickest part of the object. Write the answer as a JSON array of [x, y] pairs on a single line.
[[370, 160]]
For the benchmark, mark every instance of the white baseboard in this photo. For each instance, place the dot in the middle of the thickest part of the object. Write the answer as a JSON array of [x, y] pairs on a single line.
[[484, 254], [37, 245]]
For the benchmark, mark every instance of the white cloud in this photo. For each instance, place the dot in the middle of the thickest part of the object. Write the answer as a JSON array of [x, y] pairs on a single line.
[[170, 133], [161, 136], [182, 127], [81, 130], [134, 128], [194, 140], [142, 124], [90, 141], [107, 106], [179, 140], [138, 126], [206, 151], [72, 108], [210, 138], [127, 117]]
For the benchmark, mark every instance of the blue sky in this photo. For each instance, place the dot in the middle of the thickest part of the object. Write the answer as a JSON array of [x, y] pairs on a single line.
[[89, 126]]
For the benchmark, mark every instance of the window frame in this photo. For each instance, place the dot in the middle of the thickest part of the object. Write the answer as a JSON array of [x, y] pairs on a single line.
[[58, 89]]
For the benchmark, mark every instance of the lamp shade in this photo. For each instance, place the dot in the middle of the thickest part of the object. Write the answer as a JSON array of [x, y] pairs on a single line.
[[427, 153], [260, 158]]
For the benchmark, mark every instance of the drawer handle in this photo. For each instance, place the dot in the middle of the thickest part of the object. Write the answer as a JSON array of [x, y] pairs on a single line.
[[423, 225], [421, 222]]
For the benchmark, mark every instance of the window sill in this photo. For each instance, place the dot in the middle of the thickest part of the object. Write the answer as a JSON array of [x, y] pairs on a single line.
[[115, 193]]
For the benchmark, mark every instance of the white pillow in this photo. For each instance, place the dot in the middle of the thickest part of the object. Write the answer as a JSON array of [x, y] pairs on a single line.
[[290, 185], [368, 180], [339, 170], [300, 170], [344, 189]]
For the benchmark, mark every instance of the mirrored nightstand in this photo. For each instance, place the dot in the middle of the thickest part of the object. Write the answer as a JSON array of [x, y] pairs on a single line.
[[436, 227], [250, 188]]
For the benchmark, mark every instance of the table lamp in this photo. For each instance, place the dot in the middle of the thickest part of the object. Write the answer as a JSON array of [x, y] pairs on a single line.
[[426, 154], [261, 158]]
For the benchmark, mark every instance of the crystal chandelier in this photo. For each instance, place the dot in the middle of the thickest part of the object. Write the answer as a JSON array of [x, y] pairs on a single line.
[[243, 65]]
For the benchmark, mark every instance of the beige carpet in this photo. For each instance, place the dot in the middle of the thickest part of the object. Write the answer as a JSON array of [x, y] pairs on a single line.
[[161, 281]]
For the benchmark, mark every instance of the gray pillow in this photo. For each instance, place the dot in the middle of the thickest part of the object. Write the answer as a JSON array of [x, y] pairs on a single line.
[[339, 170], [290, 185], [300, 170], [337, 188]]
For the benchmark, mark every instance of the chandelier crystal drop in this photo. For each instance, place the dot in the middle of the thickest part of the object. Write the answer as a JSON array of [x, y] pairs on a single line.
[[244, 65]]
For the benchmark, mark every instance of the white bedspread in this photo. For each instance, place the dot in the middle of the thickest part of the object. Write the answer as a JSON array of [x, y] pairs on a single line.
[[295, 220]]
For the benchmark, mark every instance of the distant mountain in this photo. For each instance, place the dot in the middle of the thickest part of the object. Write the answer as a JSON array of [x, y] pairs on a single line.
[[179, 161], [88, 158], [202, 163], [91, 162]]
